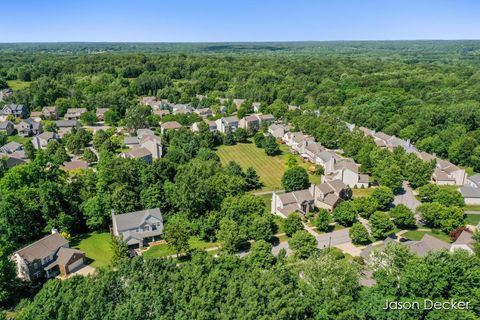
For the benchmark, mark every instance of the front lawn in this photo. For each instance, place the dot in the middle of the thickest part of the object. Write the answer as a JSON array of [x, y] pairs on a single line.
[[97, 247], [163, 250], [270, 169], [21, 140], [362, 192], [473, 219], [416, 235]]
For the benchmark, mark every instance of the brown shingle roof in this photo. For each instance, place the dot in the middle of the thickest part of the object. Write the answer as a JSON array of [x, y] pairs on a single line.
[[42, 248]]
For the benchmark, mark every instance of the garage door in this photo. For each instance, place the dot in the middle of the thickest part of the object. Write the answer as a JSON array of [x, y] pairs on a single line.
[[75, 265]]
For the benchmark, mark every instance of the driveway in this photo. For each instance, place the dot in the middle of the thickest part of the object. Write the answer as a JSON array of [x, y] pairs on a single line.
[[84, 270], [333, 239], [406, 197]]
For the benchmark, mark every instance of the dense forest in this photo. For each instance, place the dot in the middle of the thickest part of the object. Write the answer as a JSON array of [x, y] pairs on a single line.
[[427, 92]]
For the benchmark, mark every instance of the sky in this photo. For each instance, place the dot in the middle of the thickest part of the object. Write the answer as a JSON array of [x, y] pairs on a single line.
[[236, 20]]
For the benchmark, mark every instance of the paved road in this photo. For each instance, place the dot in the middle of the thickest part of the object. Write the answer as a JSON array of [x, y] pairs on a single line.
[[333, 238], [406, 197]]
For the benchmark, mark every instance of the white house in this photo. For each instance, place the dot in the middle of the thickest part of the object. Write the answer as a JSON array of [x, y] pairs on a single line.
[[470, 194], [227, 123]]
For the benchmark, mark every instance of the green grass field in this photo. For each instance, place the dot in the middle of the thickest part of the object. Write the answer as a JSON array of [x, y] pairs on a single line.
[[18, 84], [362, 192], [97, 246], [163, 250], [270, 169], [473, 219], [415, 235], [21, 140]]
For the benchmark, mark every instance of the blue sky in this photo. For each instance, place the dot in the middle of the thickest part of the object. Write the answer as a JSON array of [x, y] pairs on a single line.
[[236, 20]]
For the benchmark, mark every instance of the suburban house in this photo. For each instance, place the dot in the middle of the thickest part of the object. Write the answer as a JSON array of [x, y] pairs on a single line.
[[73, 165], [326, 195], [204, 112], [347, 171], [144, 132], [238, 102], [251, 122], [46, 258], [5, 93], [153, 144], [7, 127], [427, 244], [74, 113], [293, 108], [297, 140], [470, 194], [256, 107], [464, 241], [65, 126], [40, 141], [15, 110], [212, 126], [11, 147], [309, 150], [182, 109], [100, 113], [149, 101], [170, 125], [138, 228], [278, 130], [226, 124], [50, 112], [266, 119], [446, 173], [161, 112], [474, 181], [13, 159], [138, 153], [36, 116], [131, 141], [326, 158], [29, 127]]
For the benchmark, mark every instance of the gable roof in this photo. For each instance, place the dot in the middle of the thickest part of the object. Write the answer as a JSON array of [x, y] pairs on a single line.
[[426, 245], [11, 147], [67, 123], [133, 220], [469, 192], [171, 125], [74, 165], [465, 238], [5, 124], [65, 254], [475, 179], [43, 247]]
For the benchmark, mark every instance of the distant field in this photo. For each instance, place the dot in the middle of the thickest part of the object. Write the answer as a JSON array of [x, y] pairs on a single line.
[[270, 169], [18, 84]]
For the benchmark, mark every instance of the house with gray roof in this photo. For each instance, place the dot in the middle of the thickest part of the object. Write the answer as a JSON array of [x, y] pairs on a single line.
[[29, 127], [474, 181], [66, 126], [16, 110], [464, 241], [227, 124], [204, 112], [40, 141], [7, 127], [11, 147], [138, 228], [74, 113], [46, 258], [427, 244], [326, 195], [470, 194], [278, 130]]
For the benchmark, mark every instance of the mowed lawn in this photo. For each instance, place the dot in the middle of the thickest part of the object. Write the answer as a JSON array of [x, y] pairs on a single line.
[[97, 247], [270, 169]]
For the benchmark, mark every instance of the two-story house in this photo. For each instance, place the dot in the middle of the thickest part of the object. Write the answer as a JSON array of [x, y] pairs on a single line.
[[46, 258], [40, 141], [74, 113], [29, 127], [50, 112], [7, 127], [227, 124], [138, 228], [15, 110]]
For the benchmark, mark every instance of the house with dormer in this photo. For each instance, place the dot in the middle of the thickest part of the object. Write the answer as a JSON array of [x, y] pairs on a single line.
[[138, 228]]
